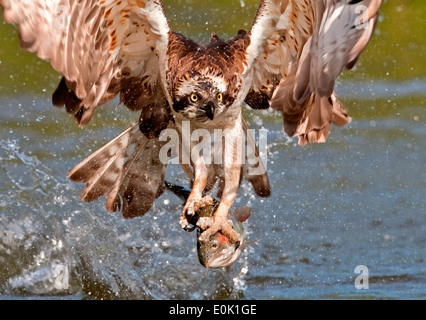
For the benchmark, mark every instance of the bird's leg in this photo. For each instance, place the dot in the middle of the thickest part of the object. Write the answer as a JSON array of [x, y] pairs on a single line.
[[220, 221], [195, 200]]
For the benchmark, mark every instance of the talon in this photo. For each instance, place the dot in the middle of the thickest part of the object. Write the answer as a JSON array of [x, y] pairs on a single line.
[[185, 225], [232, 235], [190, 211], [192, 206], [231, 224], [205, 222], [219, 224], [183, 222]]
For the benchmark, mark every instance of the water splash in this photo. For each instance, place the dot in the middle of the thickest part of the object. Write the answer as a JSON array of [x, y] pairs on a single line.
[[53, 244]]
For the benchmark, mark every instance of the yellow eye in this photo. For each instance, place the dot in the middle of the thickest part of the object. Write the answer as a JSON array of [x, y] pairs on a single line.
[[194, 97], [219, 97]]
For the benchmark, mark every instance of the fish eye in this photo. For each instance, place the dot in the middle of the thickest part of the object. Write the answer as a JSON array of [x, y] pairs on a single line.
[[194, 97], [214, 245], [219, 96]]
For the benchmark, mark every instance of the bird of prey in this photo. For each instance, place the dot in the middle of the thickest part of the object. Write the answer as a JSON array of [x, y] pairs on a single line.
[[288, 60]]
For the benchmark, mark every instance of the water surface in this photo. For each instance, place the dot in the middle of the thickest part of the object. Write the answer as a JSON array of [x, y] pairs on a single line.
[[360, 199]]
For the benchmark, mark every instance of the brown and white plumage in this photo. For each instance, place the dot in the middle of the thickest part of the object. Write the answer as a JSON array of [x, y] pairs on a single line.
[[127, 169], [298, 48], [289, 60], [97, 45]]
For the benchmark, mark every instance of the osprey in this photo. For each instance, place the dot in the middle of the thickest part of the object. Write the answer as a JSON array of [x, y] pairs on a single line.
[[288, 60]]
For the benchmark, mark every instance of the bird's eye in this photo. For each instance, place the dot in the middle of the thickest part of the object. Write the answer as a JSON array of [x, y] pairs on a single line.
[[194, 97], [219, 96], [214, 245]]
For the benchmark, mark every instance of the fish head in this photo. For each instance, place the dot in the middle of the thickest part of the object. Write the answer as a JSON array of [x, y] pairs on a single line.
[[218, 251]]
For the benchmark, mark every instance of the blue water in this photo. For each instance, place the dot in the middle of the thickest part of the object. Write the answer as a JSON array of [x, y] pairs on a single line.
[[360, 199]]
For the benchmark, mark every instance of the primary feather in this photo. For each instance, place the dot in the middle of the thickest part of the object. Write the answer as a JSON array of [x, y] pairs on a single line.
[[298, 48], [96, 45]]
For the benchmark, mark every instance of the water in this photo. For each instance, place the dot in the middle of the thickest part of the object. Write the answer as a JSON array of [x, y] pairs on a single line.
[[359, 200]]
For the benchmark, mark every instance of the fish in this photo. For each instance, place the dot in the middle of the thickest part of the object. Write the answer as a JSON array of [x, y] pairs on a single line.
[[218, 251]]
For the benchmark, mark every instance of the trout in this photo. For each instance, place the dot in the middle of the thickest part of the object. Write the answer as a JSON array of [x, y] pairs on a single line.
[[218, 251]]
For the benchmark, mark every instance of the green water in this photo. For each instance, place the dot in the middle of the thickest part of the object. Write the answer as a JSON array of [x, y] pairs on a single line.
[[397, 52], [360, 199]]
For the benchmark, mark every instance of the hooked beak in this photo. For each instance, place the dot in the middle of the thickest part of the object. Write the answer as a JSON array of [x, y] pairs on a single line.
[[208, 109]]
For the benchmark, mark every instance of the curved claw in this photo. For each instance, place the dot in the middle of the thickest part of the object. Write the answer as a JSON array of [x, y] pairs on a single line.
[[185, 225], [188, 212], [205, 222]]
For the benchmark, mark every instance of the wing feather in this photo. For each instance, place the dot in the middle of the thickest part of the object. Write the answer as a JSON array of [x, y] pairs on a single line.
[[297, 50], [127, 169], [95, 44], [254, 169]]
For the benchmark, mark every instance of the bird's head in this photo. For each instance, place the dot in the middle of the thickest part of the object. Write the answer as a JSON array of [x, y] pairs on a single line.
[[201, 97]]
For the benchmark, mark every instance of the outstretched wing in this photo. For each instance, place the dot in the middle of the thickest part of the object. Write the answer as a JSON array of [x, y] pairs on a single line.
[[102, 47], [297, 50]]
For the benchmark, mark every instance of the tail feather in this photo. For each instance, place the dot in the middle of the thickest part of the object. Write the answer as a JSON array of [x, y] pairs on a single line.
[[84, 171], [142, 181], [100, 182], [128, 169]]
